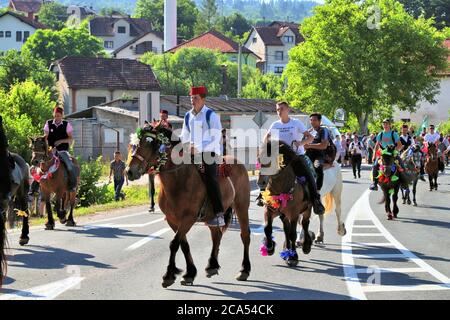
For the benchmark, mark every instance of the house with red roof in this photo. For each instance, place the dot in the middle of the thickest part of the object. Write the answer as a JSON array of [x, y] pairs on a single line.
[[272, 43], [27, 7], [214, 40]]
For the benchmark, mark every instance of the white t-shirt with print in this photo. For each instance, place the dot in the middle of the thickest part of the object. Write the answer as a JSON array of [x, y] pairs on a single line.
[[432, 138], [288, 132]]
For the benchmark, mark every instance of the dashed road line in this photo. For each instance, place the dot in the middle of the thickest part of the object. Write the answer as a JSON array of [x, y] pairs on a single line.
[[362, 209], [144, 241]]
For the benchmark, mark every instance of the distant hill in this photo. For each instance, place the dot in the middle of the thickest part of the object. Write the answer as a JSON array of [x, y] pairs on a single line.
[[257, 10]]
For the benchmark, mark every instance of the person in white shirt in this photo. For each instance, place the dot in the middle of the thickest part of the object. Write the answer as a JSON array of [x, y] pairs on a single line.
[[356, 149], [203, 131], [294, 133], [434, 137]]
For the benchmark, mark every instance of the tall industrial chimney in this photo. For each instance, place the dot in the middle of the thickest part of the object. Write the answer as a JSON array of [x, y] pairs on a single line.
[[170, 24]]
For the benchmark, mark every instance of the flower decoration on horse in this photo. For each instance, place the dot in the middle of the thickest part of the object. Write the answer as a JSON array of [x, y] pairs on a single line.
[[389, 170]]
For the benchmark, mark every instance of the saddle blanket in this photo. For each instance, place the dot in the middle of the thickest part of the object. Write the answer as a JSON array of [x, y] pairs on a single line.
[[16, 175]]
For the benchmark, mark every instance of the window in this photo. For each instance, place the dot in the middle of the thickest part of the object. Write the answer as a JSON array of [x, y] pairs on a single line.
[[109, 44], [95, 101], [255, 39], [7, 34], [279, 70], [19, 36], [288, 39], [121, 29], [26, 35], [2, 34], [279, 55]]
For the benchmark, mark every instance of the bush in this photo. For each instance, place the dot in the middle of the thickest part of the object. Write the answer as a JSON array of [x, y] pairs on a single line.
[[89, 191]]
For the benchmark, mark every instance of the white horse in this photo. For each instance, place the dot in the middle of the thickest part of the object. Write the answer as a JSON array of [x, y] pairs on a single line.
[[331, 197]]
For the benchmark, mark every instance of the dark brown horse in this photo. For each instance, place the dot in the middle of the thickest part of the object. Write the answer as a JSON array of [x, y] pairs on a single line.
[[390, 179], [284, 183], [5, 189], [182, 195], [54, 183], [432, 165]]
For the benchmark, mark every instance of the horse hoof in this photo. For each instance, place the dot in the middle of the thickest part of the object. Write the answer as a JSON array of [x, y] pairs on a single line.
[[415, 204], [395, 215], [63, 221], [242, 276], [187, 282], [342, 231], [409, 202], [390, 216], [168, 283], [312, 235], [271, 251], [49, 226], [70, 223], [292, 263], [24, 241], [212, 272], [319, 240]]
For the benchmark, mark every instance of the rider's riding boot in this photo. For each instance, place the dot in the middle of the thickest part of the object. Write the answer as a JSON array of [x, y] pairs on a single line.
[[217, 221], [317, 205], [374, 185]]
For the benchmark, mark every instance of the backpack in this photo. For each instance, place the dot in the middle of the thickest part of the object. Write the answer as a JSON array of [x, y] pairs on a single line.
[[208, 119]]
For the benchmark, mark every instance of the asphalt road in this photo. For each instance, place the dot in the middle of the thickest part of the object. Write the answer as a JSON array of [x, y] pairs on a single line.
[[123, 255]]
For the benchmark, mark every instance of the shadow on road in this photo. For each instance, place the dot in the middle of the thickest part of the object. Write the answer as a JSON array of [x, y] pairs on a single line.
[[40, 257], [270, 290], [105, 232], [432, 223]]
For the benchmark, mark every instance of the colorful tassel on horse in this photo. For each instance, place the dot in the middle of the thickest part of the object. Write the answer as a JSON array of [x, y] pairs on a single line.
[[286, 254]]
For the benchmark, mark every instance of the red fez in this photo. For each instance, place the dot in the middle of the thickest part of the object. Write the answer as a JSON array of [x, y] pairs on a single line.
[[58, 109], [165, 112], [198, 90]]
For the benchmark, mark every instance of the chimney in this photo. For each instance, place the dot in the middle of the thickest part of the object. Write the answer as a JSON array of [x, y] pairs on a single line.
[[30, 15], [170, 24]]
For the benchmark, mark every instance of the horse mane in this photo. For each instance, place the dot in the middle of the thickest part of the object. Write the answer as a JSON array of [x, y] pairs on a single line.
[[283, 149]]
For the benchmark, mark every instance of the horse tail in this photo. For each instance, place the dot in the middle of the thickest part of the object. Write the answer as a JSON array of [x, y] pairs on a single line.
[[328, 201], [2, 249], [227, 217]]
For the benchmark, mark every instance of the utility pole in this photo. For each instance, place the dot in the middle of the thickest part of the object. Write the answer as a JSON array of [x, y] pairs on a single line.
[[239, 70]]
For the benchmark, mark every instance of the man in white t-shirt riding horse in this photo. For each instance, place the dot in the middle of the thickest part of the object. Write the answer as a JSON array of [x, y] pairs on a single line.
[[294, 133]]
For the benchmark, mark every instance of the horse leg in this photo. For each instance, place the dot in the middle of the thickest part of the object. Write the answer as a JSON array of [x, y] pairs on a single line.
[[403, 195], [241, 211], [23, 205], [286, 230], [435, 181], [170, 275], [50, 225], [293, 259], [268, 241], [414, 191], [387, 204], [213, 264], [430, 178], [70, 221], [337, 194], [60, 212], [320, 233], [191, 270], [395, 199], [307, 242]]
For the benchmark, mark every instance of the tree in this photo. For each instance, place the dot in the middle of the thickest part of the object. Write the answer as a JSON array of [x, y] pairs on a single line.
[[18, 67], [440, 9], [208, 16], [50, 45], [153, 10], [195, 66], [53, 15], [235, 24], [349, 61], [25, 108], [109, 11], [263, 86]]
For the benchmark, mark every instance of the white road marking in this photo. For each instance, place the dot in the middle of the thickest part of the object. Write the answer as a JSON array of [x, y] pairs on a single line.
[[364, 226], [367, 234], [151, 237], [362, 209], [371, 244], [129, 225], [421, 287], [45, 292], [390, 270]]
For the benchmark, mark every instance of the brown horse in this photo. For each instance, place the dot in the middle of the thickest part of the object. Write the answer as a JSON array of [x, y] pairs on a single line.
[[432, 165], [284, 182], [5, 189], [182, 195], [54, 183]]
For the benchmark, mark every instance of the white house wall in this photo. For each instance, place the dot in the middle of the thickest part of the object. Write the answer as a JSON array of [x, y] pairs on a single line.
[[437, 113], [10, 23], [258, 48], [119, 39], [127, 53], [83, 94]]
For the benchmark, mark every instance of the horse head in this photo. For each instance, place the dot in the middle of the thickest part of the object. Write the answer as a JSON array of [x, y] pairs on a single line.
[[39, 148], [274, 155], [432, 151], [388, 165], [147, 148]]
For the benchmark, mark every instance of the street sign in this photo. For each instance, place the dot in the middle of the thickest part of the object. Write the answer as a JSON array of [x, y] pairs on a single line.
[[260, 118]]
